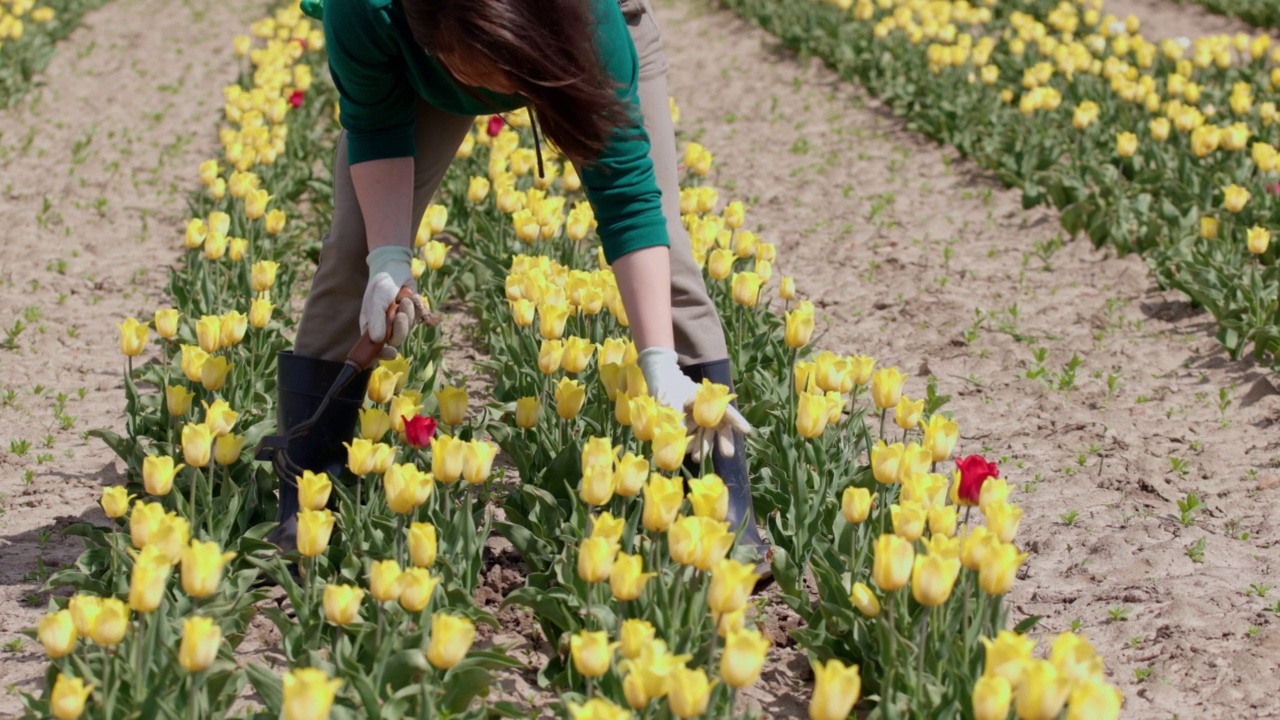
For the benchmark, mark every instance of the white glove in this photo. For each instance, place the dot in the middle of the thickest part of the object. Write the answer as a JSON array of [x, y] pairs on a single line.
[[390, 270], [671, 387]]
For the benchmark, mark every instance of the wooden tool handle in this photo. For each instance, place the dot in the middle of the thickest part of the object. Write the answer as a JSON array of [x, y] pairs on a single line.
[[366, 351]]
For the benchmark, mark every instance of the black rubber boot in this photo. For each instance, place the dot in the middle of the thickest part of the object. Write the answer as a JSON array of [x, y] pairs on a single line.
[[301, 384], [733, 471]]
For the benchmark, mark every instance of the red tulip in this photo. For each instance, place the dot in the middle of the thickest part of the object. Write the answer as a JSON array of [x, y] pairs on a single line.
[[495, 125], [296, 98], [974, 471], [419, 430]]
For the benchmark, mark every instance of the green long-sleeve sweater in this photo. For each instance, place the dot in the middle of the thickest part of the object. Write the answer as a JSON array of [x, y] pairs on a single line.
[[380, 71]]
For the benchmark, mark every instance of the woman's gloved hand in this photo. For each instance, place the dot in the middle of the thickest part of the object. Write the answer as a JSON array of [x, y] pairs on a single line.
[[671, 387], [390, 270]]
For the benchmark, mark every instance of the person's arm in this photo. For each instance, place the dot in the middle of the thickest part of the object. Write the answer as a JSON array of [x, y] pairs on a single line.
[[641, 275], [384, 189]]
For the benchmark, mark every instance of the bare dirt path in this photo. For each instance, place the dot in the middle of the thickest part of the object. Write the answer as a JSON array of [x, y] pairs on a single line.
[[94, 168], [917, 259]]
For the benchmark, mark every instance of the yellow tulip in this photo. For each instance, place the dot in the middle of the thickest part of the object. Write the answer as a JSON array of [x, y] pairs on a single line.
[[940, 437], [662, 500], [400, 486], [197, 444], [1264, 156], [811, 415], [209, 333], [171, 537], [220, 418], [202, 564], [143, 523], [451, 638], [994, 490], [697, 541], [360, 456], [709, 497], [591, 652], [1075, 658], [115, 501], [166, 320], [999, 569], [855, 504], [453, 405], [1235, 198], [416, 587], [478, 189], [551, 320], [746, 288], [226, 449], [384, 580], [308, 694], [800, 325], [654, 667], [1094, 699], [710, 404], [720, 263], [231, 328], [133, 336], [219, 222], [865, 600], [111, 624], [57, 633], [634, 636], [991, 698], [570, 395], [1086, 113], [629, 475], [68, 697], [975, 543], [342, 603], [314, 530], [213, 373], [933, 578], [915, 461], [942, 520], [886, 462], [595, 559], [150, 574], [255, 204], [627, 578], [1007, 656], [892, 562], [731, 585], [577, 354], [263, 275], [448, 457], [195, 233], [643, 415], [1160, 128], [314, 490], [689, 692], [260, 312], [743, 658], [1041, 693], [382, 385], [908, 520], [193, 359], [886, 387], [85, 610], [836, 689], [1002, 519], [405, 405], [670, 443], [597, 709], [527, 411], [276, 219], [201, 638], [1259, 240], [1126, 144], [907, 413], [787, 288], [177, 400], [598, 452]]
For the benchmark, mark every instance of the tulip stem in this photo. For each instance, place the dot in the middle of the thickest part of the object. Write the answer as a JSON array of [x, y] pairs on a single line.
[[191, 503], [924, 629], [192, 706], [108, 690]]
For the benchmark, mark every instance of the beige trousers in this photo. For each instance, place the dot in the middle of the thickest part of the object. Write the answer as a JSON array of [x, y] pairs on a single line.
[[330, 317]]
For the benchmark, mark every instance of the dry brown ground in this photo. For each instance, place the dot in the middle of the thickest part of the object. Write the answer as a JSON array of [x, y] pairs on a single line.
[[911, 255]]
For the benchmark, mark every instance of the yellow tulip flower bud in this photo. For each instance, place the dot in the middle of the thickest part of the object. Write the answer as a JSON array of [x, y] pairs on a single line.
[[255, 204], [933, 578], [167, 322], [731, 585], [670, 443], [422, 544], [213, 373], [308, 694], [836, 689], [202, 565], [942, 521], [133, 337], [991, 698], [314, 530], [999, 568], [201, 638], [907, 413], [115, 501], [908, 520], [478, 189], [800, 325], [856, 504], [158, 474], [111, 624], [84, 610], [891, 566], [662, 500], [629, 475], [260, 313], [68, 697], [1002, 519], [195, 234], [886, 387], [1042, 691], [865, 600], [1235, 198], [591, 652], [550, 355], [701, 542], [522, 312], [150, 574], [178, 400], [197, 444], [342, 603], [434, 253], [746, 288], [570, 395], [403, 406], [743, 658], [416, 587], [551, 320], [595, 559], [275, 222], [144, 521], [219, 223], [627, 578], [690, 692], [1259, 240], [451, 638], [811, 415], [940, 437], [57, 633], [527, 411], [709, 497], [477, 461], [577, 354], [448, 455], [384, 580]]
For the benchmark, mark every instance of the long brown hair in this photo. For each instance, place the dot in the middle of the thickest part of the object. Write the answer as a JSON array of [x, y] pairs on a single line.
[[547, 49]]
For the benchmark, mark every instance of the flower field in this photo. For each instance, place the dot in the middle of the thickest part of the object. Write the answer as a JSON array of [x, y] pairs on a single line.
[[28, 34], [897, 545], [1162, 148]]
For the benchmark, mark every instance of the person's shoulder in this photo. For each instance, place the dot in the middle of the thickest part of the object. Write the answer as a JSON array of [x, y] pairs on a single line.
[[356, 8]]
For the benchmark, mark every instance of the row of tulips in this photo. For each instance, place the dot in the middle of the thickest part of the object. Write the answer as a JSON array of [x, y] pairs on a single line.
[[1167, 148], [29, 32], [633, 574], [1261, 13]]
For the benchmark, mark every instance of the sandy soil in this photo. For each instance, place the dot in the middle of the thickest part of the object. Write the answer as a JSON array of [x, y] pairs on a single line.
[[911, 255], [94, 168], [914, 257]]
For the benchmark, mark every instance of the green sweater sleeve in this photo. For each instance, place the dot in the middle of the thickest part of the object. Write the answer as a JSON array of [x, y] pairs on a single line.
[[621, 184], [374, 92]]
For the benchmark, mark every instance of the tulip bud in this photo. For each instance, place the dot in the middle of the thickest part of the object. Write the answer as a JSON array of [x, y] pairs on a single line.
[[197, 444], [892, 562], [314, 530], [115, 501], [451, 638], [591, 652], [836, 689], [308, 694], [731, 585], [263, 275], [275, 220], [689, 693], [147, 581], [342, 603], [68, 697], [527, 410], [384, 580], [260, 313], [133, 337], [991, 698], [177, 400], [226, 449], [57, 633], [422, 544], [166, 320], [416, 588], [213, 373], [112, 623], [202, 565], [743, 658], [453, 405], [200, 641]]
